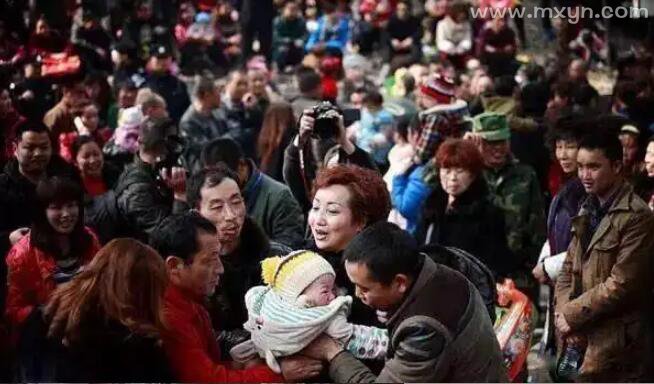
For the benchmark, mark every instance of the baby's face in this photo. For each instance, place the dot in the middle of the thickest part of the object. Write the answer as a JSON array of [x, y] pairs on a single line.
[[321, 292]]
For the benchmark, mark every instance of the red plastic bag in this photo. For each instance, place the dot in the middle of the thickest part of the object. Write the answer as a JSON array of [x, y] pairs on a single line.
[[513, 327]]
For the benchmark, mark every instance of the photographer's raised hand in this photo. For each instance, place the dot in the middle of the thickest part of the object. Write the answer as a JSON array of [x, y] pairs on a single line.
[[307, 122], [175, 179], [342, 139]]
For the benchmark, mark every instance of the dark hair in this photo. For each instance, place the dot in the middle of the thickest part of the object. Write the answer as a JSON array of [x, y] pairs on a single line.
[[223, 150], [409, 83], [386, 250], [459, 153], [206, 177], [564, 89], [627, 92], [58, 189], [154, 134], [328, 6], [82, 140], [278, 123], [177, 235], [369, 198], [604, 140], [504, 86], [308, 80], [373, 97], [533, 71], [402, 125], [205, 85], [569, 127], [29, 125]]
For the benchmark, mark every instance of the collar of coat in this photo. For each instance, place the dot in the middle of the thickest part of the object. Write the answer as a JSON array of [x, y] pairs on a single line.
[[426, 272], [622, 202]]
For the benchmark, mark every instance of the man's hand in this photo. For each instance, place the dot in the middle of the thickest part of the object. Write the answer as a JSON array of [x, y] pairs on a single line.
[[175, 179], [298, 368], [307, 122], [342, 139], [323, 348], [475, 138], [539, 273], [561, 324], [18, 234]]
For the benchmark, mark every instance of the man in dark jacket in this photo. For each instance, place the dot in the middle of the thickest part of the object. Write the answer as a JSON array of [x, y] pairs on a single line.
[[268, 202], [438, 325], [161, 81], [202, 122], [33, 160], [241, 111], [216, 195], [306, 154], [147, 192]]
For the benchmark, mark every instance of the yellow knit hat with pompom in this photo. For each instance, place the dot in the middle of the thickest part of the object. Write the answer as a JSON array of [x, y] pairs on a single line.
[[290, 275]]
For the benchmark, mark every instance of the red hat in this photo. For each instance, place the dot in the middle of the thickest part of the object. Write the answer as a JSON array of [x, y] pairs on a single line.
[[439, 88]]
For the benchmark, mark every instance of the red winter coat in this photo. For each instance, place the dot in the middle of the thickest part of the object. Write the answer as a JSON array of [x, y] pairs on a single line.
[[191, 347], [30, 281]]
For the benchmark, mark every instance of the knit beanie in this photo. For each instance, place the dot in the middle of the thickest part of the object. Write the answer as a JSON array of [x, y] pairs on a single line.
[[439, 88], [290, 275]]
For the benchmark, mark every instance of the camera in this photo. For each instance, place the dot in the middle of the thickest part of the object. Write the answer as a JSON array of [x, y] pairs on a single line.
[[326, 117]]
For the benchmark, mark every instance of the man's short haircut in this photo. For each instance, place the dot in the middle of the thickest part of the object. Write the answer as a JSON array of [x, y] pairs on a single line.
[[373, 97], [206, 178], [605, 140], [504, 86], [386, 250], [222, 150], [177, 235], [28, 125], [154, 134], [308, 80], [409, 83], [204, 86]]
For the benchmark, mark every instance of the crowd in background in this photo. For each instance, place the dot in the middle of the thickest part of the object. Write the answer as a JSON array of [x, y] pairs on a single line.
[[155, 152]]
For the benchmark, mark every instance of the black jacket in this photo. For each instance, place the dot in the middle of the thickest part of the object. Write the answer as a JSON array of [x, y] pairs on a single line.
[[106, 351], [242, 272], [173, 91], [143, 200], [473, 224], [244, 124]]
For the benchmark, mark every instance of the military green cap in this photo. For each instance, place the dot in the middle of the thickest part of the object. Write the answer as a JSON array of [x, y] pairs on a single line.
[[491, 126]]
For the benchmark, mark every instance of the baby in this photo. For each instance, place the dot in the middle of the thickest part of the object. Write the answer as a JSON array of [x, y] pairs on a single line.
[[297, 305]]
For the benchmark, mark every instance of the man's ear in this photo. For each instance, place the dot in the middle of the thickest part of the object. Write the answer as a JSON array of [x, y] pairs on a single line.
[[174, 265], [14, 148], [402, 283]]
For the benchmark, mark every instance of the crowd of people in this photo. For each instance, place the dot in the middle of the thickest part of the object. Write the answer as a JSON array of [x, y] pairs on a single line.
[[290, 190]]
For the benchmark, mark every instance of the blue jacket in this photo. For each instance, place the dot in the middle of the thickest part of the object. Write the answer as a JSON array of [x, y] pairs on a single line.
[[409, 194], [334, 38]]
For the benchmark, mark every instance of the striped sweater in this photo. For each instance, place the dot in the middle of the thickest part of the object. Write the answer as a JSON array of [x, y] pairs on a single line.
[[280, 328]]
